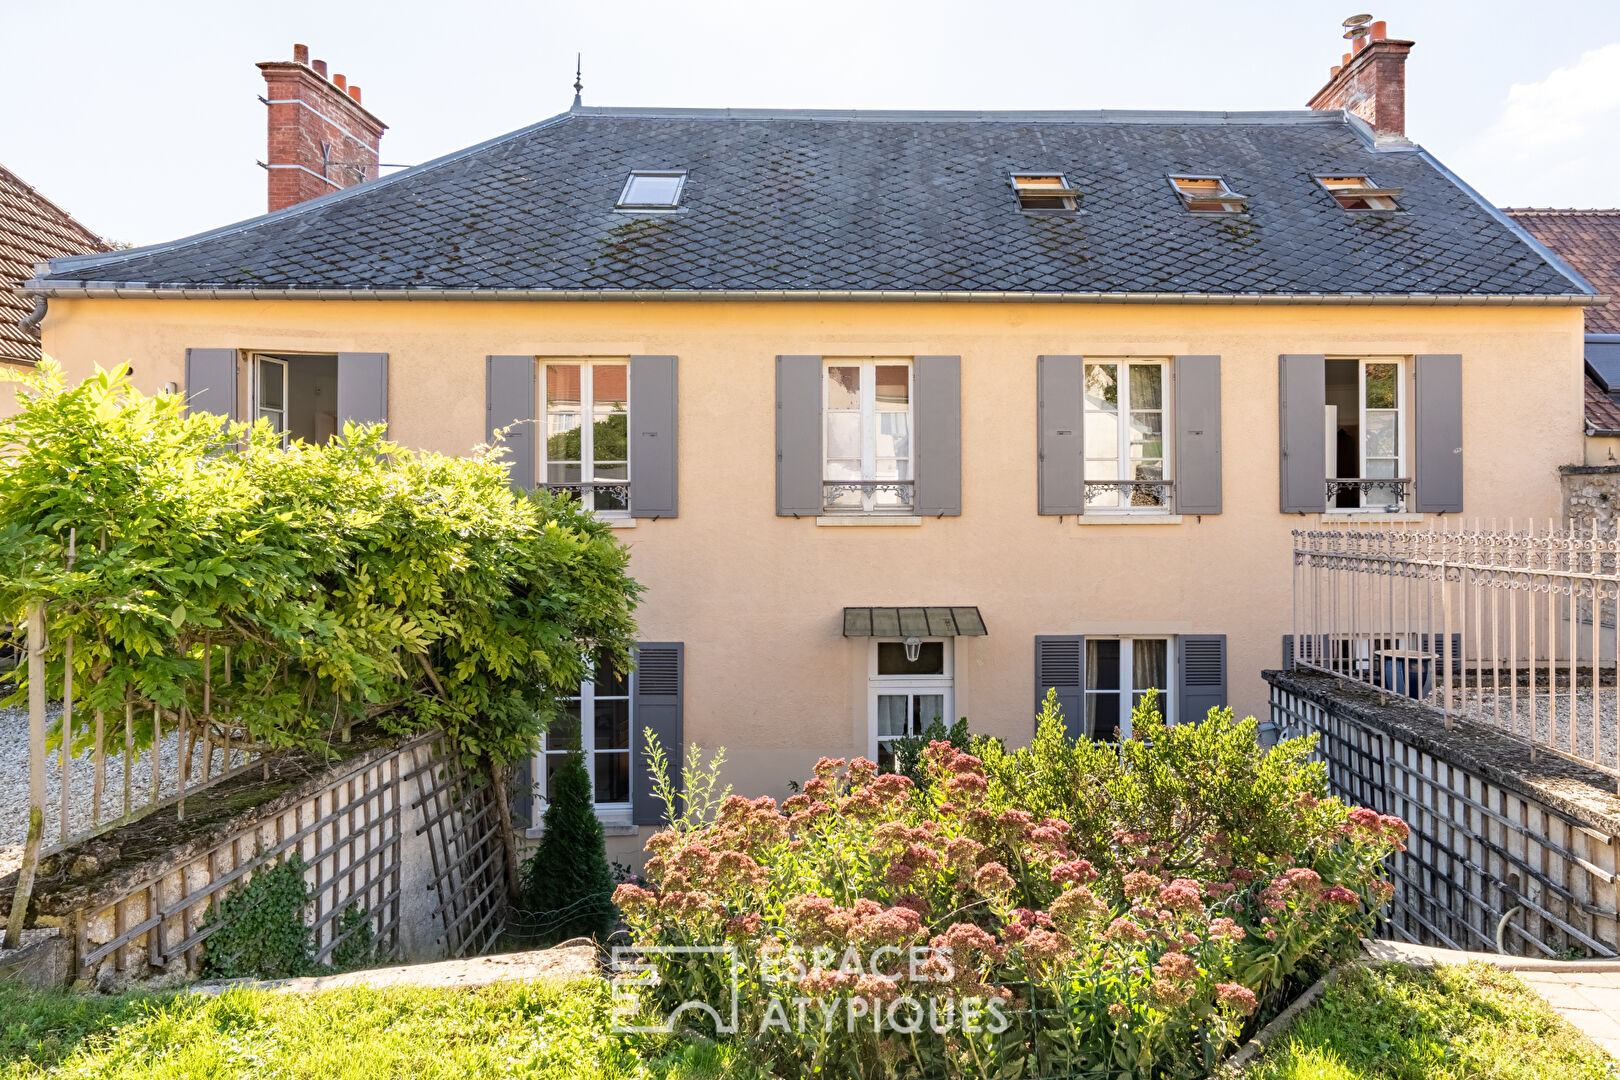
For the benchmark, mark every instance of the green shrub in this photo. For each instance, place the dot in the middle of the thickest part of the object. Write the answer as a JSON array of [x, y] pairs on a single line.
[[1144, 964], [262, 933], [315, 585], [567, 885], [908, 751]]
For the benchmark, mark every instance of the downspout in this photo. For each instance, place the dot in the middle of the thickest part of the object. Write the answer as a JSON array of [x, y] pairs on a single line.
[[30, 322]]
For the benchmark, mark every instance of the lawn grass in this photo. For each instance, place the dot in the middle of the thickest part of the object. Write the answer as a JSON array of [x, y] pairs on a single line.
[[1393, 1022], [511, 1029]]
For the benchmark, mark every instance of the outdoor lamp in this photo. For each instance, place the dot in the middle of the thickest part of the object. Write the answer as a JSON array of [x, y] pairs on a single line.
[[913, 647]]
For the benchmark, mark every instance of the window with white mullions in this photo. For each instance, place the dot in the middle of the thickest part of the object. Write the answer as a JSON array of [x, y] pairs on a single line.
[[598, 724], [867, 441], [587, 432], [910, 686], [1127, 454], [1119, 673], [1366, 426], [270, 393]]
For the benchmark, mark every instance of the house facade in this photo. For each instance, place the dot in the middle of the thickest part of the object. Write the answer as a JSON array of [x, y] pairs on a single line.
[[904, 415]]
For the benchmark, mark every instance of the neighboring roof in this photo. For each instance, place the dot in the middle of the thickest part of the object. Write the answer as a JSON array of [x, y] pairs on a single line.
[[872, 204], [1589, 240], [32, 229]]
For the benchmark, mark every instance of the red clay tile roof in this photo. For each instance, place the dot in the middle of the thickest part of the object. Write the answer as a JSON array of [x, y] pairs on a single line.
[[1589, 240], [32, 229]]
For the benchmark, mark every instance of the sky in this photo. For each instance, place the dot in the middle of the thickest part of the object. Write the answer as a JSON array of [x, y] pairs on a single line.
[[142, 118]]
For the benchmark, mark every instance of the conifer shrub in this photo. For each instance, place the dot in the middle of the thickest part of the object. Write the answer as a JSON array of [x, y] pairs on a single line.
[[567, 883]]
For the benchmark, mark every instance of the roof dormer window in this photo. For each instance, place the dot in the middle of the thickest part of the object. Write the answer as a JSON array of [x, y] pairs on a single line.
[[652, 190], [1208, 195], [1044, 191], [1359, 193]]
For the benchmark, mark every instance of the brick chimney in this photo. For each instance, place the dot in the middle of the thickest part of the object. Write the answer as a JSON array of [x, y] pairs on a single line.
[[1370, 80], [321, 137]]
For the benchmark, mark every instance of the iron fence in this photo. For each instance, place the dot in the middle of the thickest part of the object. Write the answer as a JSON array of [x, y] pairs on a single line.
[[1512, 628]]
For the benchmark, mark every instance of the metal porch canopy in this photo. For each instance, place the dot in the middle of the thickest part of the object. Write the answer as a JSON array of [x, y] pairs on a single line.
[[903, 622]]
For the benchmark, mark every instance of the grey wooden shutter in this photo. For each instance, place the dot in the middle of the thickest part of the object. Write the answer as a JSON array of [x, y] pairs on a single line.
[[657, 690], [1437, 474], [654, 453], [1061, 450], [362, 388], [1198, 434], [211, 381], [1060, 664], [1203, 676], [798, 436], [1302, 408], [509, 403], [937, 386]]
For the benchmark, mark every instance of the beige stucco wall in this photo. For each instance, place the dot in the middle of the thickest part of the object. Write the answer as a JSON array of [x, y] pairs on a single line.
[[757, 599]]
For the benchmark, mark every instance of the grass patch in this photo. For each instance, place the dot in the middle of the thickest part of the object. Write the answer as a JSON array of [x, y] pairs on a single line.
[[1393, 1022], [511, 1029]]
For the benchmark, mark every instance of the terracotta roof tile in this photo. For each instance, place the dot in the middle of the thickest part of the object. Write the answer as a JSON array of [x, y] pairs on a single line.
[[32, 229]]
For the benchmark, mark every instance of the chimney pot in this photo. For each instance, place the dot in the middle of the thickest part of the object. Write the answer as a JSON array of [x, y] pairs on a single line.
[[354, 92], [340, 82], [320, 68], [1380, 30], [1344, 60], [300, 54], [1334, 70], [1361, 43]]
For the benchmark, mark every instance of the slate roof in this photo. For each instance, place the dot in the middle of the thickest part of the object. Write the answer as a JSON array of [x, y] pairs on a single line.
[[1589, 240], [914, 203], [32, 229]]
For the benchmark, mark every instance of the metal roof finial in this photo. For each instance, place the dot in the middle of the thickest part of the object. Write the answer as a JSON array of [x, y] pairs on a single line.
[[579, 84]]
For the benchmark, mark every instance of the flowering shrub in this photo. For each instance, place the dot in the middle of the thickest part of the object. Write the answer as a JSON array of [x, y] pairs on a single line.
[[970, 925]]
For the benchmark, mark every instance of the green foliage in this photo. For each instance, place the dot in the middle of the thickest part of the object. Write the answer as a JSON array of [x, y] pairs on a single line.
[[262, 933], [1161, 794], [908, 751], [531, 1031], [1392, 1022], [1082, 894], [567, 885], [358, 949], [350, 580]]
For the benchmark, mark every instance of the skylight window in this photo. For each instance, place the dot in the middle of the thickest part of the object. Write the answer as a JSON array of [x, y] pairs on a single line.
[[652, 191], [1044, 191], [1359, 193], [1208, 195]]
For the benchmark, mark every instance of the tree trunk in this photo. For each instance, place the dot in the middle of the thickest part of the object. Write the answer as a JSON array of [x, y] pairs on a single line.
[[500, 776]]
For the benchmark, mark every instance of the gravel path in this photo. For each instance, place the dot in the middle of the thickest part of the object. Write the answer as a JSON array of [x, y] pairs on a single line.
[[81, 783], [1524, 713]]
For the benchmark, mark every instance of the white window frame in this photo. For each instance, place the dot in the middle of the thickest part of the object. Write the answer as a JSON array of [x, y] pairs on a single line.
[[678, 175], [587, 433], [1122, 440], [614, 813], [1402, 425], [262, 411], [878, 685], [869, 412], [1127, 692]]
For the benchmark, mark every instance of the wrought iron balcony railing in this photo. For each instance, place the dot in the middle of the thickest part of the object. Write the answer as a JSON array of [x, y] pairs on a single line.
[[618, 490], [1369, 487], [868, 490], [1137, 493]]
